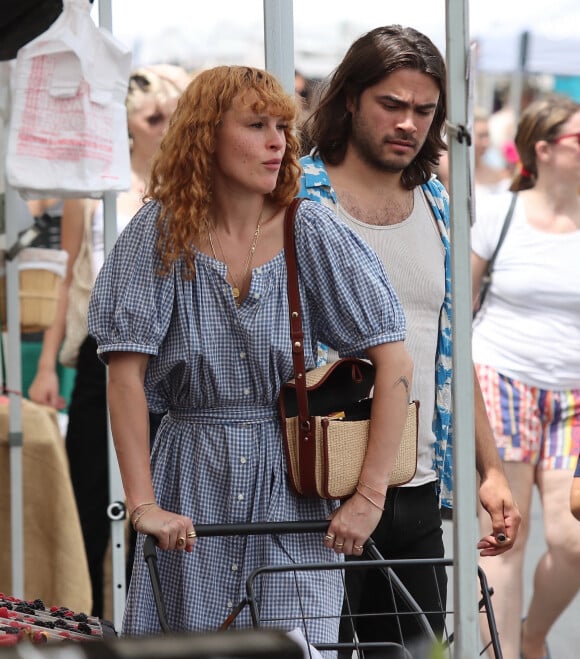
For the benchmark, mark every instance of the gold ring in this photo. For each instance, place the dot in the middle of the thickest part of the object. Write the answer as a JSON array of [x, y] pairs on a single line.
[[329, 537], [180, 541], [192, 534], [358, 547], [340, 545]]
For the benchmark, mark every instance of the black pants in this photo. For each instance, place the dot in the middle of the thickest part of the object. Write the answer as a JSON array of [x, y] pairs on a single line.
[[86, 445], [409, 528]]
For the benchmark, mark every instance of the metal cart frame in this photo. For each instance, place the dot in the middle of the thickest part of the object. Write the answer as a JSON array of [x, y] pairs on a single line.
[[374, 561]]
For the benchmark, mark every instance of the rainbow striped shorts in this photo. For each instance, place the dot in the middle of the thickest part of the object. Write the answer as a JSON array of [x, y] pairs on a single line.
[[532, 425]]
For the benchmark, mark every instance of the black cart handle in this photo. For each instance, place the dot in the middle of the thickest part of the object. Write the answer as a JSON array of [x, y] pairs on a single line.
[[250, 528]]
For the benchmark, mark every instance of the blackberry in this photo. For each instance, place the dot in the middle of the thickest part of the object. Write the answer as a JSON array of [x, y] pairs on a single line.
[[57, 612], [24, 608], [83, 628], [50, 624], [81, 617]]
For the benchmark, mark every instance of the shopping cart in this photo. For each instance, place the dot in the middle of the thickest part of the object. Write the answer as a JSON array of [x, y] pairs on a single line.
[[431, 645]]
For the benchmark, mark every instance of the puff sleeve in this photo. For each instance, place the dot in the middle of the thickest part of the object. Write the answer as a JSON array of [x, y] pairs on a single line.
[[131, 303], [351, 301]]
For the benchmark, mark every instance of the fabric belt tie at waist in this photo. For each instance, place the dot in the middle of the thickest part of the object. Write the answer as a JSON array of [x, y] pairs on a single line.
[[225, 415]]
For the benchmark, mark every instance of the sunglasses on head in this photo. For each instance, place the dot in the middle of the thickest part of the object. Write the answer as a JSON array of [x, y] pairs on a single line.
[[139, 81], [555, 140]]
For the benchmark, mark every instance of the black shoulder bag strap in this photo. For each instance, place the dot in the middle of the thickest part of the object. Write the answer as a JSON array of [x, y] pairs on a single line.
[[486, 280]]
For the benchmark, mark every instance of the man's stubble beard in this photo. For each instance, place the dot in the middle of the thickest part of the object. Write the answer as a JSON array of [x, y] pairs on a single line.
[[370, 153]]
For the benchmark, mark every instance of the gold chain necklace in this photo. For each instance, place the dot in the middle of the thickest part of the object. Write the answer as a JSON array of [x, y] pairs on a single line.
[[236, 288]]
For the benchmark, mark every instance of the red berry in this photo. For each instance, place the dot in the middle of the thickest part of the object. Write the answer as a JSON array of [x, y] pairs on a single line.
[[8, 639]]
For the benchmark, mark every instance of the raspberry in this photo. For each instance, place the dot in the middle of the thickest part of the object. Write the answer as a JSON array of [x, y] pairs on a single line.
[[39, 637], [6, 640]]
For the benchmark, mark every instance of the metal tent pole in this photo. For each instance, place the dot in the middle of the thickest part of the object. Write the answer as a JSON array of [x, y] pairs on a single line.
[[116, 508], [464, 518], [14, 208], [519, 76], [279, 41]]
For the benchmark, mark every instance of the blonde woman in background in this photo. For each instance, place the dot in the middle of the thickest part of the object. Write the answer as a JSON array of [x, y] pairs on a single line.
[[152, 96]]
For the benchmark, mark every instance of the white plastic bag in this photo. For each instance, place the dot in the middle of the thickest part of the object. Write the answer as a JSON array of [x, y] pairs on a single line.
[[310, 652], [68, 125]]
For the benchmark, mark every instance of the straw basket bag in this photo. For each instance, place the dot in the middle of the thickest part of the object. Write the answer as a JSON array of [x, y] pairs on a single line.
[[325, 412], [40, 273]]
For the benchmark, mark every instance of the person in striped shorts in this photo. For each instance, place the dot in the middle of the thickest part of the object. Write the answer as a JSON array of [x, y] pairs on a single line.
[[526, 347]]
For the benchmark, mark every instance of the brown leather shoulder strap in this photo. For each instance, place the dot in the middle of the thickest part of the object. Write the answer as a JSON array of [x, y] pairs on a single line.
[[306, 444], [296, 331]]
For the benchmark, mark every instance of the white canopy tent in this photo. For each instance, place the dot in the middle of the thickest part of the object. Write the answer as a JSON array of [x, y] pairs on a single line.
[[546, 53], [279, 57], [553, 41]]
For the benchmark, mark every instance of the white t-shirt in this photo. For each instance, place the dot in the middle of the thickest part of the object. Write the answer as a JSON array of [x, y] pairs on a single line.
[[414, 258], [99, 235], [529, 327]]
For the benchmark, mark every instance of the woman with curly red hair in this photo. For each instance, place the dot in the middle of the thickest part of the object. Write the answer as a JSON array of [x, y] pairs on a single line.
[[190, 311]]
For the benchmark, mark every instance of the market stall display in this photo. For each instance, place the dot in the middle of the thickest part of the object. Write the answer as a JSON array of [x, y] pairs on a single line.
[[55, 564], [22, 620]]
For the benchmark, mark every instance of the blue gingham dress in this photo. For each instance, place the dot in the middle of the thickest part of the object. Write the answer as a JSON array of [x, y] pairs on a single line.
[[217, 370]]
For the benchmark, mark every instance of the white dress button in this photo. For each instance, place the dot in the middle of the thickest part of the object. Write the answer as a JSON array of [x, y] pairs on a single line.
[[243, 460], [240, 497], [242, 355], [246, 391], [234, 568]]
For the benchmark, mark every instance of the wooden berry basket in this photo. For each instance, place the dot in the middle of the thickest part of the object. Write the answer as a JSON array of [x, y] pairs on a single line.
[[40, 275]]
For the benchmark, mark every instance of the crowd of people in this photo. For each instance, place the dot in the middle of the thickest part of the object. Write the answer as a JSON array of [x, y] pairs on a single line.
[[189, 311]]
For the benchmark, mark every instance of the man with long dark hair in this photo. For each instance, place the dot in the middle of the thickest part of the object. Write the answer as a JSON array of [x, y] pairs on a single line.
[[377, 133]]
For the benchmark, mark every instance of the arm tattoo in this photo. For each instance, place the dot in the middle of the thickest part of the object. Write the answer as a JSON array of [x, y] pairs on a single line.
[[403, 380]]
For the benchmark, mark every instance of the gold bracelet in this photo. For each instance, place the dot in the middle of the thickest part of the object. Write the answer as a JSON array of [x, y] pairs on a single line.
[[143, 507], [372, 489], [364, 496], [138, 518]]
